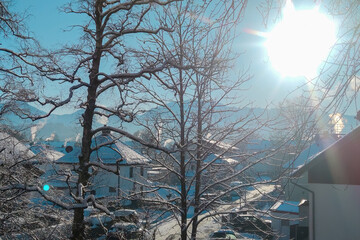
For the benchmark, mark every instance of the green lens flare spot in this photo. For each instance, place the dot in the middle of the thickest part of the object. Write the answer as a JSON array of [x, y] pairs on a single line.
[[46, 187]]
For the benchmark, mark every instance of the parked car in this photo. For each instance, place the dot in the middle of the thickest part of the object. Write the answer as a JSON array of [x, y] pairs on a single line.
[[251, 224], [125, 217], [128, 231], [94, 217], [223, 234], [228, 218]]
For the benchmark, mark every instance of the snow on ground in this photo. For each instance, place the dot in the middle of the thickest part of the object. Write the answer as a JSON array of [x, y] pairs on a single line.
[[170, 227]]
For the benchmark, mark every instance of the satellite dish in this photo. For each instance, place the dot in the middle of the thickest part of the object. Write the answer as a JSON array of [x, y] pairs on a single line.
[[69, 149]]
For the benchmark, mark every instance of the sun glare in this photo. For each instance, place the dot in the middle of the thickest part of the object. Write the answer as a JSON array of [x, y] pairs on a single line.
[[300, 42]]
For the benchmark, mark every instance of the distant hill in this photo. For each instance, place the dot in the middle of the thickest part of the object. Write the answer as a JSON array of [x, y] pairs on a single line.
[[55, 126], [67, 126]]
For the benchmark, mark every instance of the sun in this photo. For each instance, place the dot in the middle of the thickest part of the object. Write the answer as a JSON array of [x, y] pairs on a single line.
[[300, 42]]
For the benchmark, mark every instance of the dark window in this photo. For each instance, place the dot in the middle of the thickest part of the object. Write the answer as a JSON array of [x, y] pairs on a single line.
[[142, 191], [112, 189], [142, 171], [131, 172]]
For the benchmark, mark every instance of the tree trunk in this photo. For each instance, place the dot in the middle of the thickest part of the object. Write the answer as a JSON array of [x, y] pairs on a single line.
[[182, 155], [78, 227], [198, 164]]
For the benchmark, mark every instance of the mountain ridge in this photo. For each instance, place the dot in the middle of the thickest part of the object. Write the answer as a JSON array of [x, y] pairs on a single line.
[[66, 127]]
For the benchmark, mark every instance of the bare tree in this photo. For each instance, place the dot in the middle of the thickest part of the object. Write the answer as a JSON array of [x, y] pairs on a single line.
[[16, 160], [12, 30], [198, 117], [176, 55], [24, 213], [78, 69]]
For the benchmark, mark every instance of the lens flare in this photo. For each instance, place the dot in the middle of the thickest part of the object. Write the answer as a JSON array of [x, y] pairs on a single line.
[[300, 42], [46, 187]]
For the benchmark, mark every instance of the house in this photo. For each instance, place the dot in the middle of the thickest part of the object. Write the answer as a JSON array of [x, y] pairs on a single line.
[[321, 142], [12, 150], [285, 219], [255, 153], [259, 152], [18, 168], [18, 158], [125, 169], [331, 182], [46, 156]]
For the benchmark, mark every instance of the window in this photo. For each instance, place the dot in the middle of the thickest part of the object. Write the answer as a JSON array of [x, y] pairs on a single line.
[[112, 189], [142, 191], [131, 172], [142, 171]]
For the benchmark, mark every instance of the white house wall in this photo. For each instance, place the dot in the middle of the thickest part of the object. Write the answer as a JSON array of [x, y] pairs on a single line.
[[277, 224], [104, 180], [337, 211], [126, 186], [293, 192]]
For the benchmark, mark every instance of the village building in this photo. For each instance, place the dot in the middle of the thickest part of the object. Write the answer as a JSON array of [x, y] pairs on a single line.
[[118, 172], [330, 182]]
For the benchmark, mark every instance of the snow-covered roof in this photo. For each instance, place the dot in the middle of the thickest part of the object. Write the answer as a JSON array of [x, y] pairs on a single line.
[[227, 159], [221, 145], [47, 152], [219, 159], [12, 149], [304, 156], [309, 153], [111, 151], [52, 155], [336, 164], [291, 207], [129, 155]]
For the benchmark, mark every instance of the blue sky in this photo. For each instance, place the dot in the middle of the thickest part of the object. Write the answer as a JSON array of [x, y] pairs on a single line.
[[266, 86]]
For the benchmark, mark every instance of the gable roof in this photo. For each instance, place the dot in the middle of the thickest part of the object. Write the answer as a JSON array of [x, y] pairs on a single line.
[[13, 150], [310, 152], [219, 159], [114, 150], [220, 145], [337, 164], [47, 152], [111, 151], [282, 206]]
